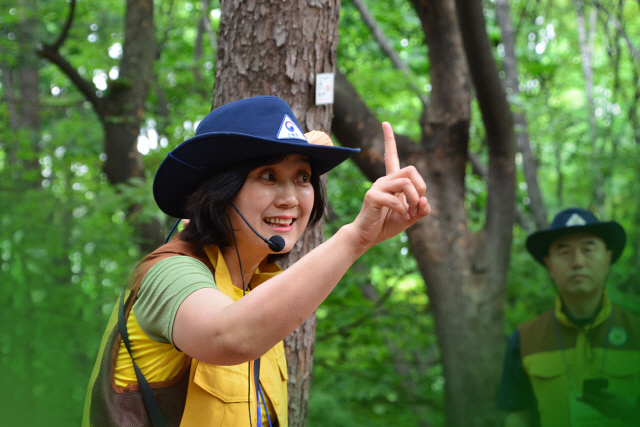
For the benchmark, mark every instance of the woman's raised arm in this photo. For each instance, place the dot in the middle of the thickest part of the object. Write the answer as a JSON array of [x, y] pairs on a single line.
[[212, 328]]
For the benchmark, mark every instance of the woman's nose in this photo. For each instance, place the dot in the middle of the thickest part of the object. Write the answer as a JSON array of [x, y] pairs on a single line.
[[286, 195]]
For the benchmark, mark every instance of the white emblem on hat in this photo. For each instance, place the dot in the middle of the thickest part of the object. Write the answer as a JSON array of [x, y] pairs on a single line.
[[574, 220], [289, 130]]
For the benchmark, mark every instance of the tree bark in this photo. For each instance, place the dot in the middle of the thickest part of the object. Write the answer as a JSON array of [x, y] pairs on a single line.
[[465, 273], [277, 48]]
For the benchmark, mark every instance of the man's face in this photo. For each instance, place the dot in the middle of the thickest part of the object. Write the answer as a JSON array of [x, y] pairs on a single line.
[[579, 264]]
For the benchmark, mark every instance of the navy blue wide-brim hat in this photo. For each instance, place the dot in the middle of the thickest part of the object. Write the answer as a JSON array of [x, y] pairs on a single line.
[[576, 220], [261, 126]]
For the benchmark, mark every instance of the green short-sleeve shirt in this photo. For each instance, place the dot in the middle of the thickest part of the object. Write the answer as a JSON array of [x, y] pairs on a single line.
[[165, 286]]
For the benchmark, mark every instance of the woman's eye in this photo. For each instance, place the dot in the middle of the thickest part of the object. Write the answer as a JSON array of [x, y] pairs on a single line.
[[303, 178], [268, 176]]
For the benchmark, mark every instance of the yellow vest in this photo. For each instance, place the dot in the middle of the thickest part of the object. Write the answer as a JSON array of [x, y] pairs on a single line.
[[557, 367], [217, 395], [210, 395]]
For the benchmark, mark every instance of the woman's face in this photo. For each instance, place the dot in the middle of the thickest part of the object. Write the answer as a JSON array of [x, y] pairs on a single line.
[[276, 200]]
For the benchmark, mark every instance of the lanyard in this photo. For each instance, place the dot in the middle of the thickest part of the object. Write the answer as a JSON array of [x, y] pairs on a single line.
[[259, 394], [564, 356]]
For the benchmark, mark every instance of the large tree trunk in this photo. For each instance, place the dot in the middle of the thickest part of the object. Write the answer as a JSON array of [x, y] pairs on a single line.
[[492, 258], [465, 273], [277, 48]]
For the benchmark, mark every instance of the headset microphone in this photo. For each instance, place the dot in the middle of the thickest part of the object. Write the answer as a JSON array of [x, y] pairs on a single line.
[[276, 243]]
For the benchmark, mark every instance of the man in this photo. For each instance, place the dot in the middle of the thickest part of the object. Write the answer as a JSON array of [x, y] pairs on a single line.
[[579, 363]]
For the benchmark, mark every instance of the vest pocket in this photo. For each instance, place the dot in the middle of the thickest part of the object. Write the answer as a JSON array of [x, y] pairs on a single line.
[[622, 363], [550, 383], [547, 367], [227, 383], [622, 368]]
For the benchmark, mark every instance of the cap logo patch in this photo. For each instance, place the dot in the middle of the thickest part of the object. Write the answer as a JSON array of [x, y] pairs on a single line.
[[575, 220], [289, 130]]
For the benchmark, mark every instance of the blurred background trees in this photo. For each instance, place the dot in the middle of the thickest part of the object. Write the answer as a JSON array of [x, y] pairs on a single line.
[[70, 233]]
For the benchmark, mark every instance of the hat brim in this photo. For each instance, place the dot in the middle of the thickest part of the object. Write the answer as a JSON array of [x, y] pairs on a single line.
[[195, 160], [611, 232]]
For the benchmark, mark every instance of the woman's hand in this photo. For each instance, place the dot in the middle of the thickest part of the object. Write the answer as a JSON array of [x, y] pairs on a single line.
[[394, 202]]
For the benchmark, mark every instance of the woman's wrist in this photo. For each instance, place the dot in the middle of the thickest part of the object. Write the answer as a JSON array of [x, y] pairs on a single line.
[[349, 236]]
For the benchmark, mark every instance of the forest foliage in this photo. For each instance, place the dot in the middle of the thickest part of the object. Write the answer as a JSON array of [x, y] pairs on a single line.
[[67, 244]]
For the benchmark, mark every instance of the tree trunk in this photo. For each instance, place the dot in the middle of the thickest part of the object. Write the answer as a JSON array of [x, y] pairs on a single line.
[[529, 163], [586, 41], [20, 140], [492, 257], [25, 111], [124, 103], [465, 273], [122, 108], [277, 48]]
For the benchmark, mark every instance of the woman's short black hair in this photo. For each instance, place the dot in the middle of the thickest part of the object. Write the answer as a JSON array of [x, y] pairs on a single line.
[[207, 207]]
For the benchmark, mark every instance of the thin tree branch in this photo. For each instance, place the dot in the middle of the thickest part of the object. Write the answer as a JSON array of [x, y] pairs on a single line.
[[634, 51], [67, 26], [368, 316], [167, 28], [88, 90], [209, 27], [385, 44], [356, 126], [52, 53]]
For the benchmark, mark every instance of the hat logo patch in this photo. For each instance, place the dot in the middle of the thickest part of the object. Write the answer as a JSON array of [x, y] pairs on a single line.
[[289, 130], [575, 220]]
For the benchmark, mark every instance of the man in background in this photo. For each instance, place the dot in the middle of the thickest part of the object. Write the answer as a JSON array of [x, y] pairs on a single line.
[[577, 364]]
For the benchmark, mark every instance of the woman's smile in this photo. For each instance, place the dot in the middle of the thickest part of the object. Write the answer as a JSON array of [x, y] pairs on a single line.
[[280, 224]]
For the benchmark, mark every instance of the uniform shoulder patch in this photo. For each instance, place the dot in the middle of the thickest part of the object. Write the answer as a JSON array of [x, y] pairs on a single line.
[[617, 337]]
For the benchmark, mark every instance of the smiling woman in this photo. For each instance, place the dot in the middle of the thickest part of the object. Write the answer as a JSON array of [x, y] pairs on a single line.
[[278, 198], [207, 309]]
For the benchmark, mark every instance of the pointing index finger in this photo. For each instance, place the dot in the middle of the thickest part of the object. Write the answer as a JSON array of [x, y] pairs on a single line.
[[391, 160]]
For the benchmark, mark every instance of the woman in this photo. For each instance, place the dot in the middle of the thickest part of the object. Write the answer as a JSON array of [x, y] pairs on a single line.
[[208, 311]]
